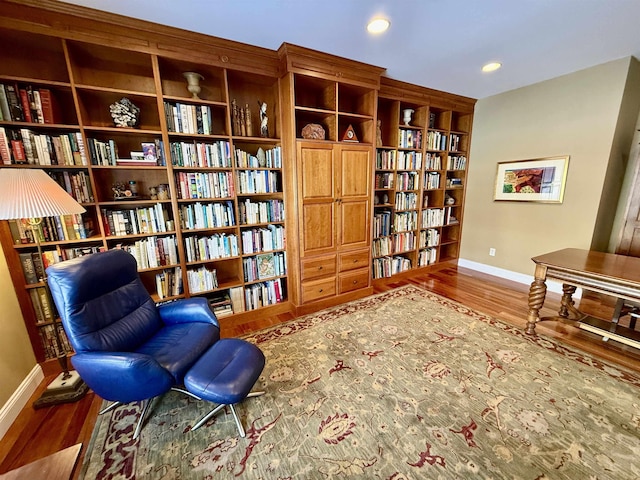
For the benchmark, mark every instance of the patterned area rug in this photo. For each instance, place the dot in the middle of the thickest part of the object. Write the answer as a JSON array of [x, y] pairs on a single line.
[[402, 385]]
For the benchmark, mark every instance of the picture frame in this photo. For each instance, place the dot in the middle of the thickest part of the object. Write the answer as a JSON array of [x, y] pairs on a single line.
[[266, 266], [537, 180]]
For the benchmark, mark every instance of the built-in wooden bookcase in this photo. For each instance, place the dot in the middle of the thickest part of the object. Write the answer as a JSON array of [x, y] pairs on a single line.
[[421, 164], [206, 218], [269, 217]]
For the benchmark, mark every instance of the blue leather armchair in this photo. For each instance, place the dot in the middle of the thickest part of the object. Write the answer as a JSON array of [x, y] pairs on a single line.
[[127, 349]]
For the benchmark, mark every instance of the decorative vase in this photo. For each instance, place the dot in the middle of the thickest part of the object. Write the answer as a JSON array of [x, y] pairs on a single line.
[[193, 83], [406, 115]]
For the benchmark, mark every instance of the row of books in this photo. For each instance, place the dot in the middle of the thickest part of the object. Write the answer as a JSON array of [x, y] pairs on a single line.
[[202, 279], [272, 158], [405, 221], [257, 240], [404, 241], [207, 215], [433, 161], [384, 180], [436, 140], [388, 266], [24, 103], [76, 184], [382, 223], [253, 213], [48, 337], [105, 153], [457, 162], [263, 294], [258, 181], [186, 118], [169, 283], [263, 266], [406, 200], [409, 160], [429, 238], [454, 142], [431, 180], [198, 185], [52, 229], [381, 247], [436, 217], [201, 154], [407, 180], [218, 245], [134, 221], [386, 159], [427, 256], [410, 139], [23, 146], [43, 306], [153, 252]]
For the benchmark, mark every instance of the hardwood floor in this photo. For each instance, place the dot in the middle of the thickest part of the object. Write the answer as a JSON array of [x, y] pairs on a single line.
[[38, 433]]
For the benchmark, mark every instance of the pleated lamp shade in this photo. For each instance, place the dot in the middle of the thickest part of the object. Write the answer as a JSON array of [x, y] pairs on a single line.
[[31, 193]]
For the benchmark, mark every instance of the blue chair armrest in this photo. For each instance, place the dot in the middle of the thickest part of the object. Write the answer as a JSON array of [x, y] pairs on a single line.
[[122, 376], [186, 311]]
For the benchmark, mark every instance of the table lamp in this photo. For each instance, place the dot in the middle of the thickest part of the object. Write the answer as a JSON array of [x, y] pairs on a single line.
[[32, 194]]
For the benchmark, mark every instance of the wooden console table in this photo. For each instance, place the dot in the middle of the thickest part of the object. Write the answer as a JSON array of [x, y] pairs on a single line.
[[607, 273]]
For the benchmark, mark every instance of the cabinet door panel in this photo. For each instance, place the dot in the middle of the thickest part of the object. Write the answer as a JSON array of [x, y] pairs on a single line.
[[354, 224], [316, 172], [355, 172], [317, 228]]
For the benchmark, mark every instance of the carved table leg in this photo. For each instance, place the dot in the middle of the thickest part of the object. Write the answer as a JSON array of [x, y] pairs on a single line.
[[537, 292], [566, 304]]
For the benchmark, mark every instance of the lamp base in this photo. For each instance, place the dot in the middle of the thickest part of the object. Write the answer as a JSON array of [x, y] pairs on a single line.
[[62, 390]]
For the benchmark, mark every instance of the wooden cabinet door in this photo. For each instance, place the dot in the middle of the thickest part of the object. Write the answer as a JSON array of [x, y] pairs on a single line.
[[317, 192], [354, 196]]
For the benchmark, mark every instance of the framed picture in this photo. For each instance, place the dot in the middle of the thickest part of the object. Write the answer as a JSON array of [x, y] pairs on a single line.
[[266, 266], [539, 180]]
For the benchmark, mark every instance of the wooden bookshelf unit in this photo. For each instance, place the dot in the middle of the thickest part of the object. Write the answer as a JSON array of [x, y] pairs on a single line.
[[213, 197]]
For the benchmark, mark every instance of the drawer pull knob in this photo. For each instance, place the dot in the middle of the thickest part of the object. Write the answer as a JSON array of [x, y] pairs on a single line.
[[321, 290], [355, 261], [355, 282], [320, 267]]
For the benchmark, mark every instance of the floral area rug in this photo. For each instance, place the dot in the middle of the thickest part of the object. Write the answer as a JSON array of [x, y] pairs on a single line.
[[401, 385]]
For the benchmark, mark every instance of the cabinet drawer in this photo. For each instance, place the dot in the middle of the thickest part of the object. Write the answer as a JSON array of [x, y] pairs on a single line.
[[354, 260], [318, 267], [354, 280], [318, 289]]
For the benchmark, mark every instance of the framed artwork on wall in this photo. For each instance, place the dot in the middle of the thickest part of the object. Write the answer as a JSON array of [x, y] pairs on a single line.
[[537, 180]]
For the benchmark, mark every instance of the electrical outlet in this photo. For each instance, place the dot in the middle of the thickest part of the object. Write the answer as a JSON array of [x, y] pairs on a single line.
[[492, 252]]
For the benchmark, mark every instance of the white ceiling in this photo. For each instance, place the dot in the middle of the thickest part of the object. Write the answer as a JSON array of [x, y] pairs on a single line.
[[440, 44]]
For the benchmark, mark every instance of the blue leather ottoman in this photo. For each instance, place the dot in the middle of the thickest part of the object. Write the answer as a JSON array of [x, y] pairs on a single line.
[[225, 374]]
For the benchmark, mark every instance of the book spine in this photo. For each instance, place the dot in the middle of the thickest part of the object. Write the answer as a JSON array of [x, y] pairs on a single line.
[[26, 106], [4, 104], [5, 153], [47, 106], [15, 109]]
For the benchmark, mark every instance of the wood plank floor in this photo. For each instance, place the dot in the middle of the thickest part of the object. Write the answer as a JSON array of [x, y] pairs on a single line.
[[38, 433]]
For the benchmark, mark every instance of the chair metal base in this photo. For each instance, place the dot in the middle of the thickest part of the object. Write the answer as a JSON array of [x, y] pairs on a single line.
[[241, 431]]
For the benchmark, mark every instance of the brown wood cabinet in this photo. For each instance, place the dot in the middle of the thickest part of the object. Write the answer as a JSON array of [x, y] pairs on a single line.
[[305, 205]]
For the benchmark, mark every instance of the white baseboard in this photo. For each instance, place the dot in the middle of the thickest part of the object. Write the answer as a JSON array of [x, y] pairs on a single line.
[[18, 400], [552, 286]]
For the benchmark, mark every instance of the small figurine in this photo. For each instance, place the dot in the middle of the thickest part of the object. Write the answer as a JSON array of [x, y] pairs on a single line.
[[379, 133], [264, 120]]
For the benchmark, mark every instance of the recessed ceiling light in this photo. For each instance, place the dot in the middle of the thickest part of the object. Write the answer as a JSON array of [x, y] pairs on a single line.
[[378, 25], [491, 67]]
